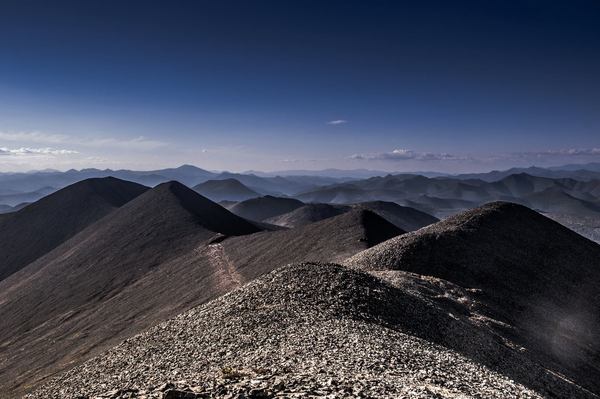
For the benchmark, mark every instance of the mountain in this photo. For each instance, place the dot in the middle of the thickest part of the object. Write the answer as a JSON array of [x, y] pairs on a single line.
[[158, 255], [31, 182], [277, 185], [307, 214], [112, 279], [14, 199], [555, 200], [326, 173], [225, 190], [591, 166], [583, 172], [403, 217], [38, 228], [443, 196], [262, 208], [318, 330], [536, 282], [440, 207], [330, 240], [338, 194]]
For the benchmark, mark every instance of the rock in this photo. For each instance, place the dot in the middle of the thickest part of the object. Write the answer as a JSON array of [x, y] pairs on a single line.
[[177, 394]]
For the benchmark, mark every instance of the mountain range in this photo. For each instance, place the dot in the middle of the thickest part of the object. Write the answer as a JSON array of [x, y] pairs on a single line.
[[18, 188], [421, 314], [110, 288]]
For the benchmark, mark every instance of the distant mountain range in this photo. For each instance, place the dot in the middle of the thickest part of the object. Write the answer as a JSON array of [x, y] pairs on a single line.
[[570, 193], [18, 188]]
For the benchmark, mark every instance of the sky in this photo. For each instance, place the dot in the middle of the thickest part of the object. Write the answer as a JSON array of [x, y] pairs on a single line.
[[280, 85]]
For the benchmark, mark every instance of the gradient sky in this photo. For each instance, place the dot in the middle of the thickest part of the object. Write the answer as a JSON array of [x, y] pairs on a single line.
[[274, 85]]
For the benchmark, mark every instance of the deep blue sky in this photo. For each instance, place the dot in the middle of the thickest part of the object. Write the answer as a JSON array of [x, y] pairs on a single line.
[[449, 85]]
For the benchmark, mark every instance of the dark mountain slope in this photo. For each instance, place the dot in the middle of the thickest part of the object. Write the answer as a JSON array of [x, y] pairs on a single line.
[[557, 201], [262, 208], [329, 240], [157, 256], [403, 217], [225, 190], [38, 228], [307, 214], [109, 281], [338, 194], [538, 282], [319, 330]]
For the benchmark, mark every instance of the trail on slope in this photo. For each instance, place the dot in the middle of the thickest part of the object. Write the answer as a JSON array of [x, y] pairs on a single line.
[[219, 259]]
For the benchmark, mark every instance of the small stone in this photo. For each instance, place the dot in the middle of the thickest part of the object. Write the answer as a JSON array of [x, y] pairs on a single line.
[[177, 394]]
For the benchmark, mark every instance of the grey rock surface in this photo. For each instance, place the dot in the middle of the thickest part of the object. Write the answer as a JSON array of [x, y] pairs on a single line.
[[318, 330]]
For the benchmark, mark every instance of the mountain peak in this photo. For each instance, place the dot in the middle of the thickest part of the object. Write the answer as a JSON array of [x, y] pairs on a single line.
[[60, 215]]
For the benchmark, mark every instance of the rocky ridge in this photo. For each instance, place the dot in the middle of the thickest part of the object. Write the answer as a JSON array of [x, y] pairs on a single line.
[[316, 330]]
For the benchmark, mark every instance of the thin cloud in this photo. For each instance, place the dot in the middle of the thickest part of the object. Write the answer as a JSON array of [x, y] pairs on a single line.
[[568, 152], [337, 122], [401, 154], [35, 151], [547, 155], [139, 143]]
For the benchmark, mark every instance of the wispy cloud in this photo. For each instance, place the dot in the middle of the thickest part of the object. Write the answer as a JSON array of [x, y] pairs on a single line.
[[35, 151], [566, 152], [136, 143], [337, 122], [405, 155], [34, 137]]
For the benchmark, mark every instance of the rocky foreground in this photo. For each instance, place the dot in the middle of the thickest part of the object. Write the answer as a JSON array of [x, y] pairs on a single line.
[[319, 330]]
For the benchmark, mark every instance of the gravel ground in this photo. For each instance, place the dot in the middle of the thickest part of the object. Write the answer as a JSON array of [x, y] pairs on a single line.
[[313, 330]]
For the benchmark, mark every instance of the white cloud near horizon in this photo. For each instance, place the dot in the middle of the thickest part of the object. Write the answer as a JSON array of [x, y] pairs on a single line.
[[406, 155], [337, 122], [35, 151], [135, 143], [402, 154], [569, 152]]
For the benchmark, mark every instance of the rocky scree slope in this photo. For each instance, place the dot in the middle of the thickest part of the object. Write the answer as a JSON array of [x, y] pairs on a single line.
[[111, 280], [537, 283], [158, 256], [312, 330]]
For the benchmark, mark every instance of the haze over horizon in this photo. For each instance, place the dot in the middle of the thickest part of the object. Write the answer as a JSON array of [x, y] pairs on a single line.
[[433, 86]]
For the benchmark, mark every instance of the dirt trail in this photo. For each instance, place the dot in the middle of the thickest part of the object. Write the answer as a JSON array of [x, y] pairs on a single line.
[[219, 259]]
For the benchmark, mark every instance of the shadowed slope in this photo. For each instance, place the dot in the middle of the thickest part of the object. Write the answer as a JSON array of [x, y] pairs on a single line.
[[538, 281], [307, 214], [159, 255], [109, 281], [318, 330], [225, 190], [403, 217], [38, 228], [262, 208], [329, 240]]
